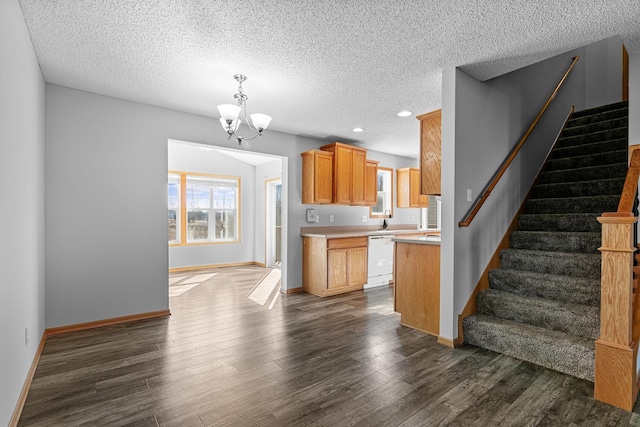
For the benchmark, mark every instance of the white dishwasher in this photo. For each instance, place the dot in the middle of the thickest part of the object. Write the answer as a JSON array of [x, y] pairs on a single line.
[[380, 263]]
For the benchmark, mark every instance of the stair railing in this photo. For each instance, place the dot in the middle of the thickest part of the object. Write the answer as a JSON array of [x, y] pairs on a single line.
[[477, 204], [616, 376]]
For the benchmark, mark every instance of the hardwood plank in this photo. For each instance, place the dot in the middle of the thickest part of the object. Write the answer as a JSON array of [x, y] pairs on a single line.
[[223, 359]]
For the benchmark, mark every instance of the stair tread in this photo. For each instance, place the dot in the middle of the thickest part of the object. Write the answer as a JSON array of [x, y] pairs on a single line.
[[581, 290], [552, 349], [575, 319]]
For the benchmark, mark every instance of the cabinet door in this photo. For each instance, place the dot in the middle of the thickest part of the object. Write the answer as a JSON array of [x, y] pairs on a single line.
[[337, 268], [357, 266], [403, 187], [317, 177], [416, 200], [371, 184], [430, 152], [358, 171], [323, 178], [343, 158]]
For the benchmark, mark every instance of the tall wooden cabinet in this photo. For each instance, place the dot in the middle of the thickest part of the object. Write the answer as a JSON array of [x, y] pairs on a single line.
[[430, 152], [409, 189]]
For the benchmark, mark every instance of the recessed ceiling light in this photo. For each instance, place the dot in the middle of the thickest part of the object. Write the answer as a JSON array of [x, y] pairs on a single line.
[[358, 129], [404, 113]]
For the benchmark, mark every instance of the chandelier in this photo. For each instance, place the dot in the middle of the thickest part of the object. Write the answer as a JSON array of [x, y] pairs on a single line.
[[230, 113]]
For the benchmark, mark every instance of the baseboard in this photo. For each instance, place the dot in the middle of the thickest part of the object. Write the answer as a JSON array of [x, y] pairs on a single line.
[[447, 342], [210, 266], [107, 322], [27, 383], [293, 290]]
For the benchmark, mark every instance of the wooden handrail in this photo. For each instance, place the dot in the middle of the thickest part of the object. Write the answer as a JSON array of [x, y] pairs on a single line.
[[505, 164], [630, 187]]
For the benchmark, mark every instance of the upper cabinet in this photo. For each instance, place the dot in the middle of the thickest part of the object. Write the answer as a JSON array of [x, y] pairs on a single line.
[[349, 165], [409, 189], [430, 152], [343, 175], [317, 177], [371, 183]]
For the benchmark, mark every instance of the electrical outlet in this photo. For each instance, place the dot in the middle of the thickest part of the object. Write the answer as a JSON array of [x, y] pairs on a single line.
[[364, 218], [26, 336], [469, 195], [330, 218], [413, 218]]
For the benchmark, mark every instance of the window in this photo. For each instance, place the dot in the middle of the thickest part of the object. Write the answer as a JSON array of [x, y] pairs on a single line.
[[384, 207], [173, 193], [208, 208]]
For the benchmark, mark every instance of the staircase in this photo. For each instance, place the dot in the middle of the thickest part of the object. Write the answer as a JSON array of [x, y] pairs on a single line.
[[543, 303]]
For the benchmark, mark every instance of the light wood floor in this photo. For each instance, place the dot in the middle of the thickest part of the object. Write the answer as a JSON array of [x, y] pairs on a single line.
[[222, 359]]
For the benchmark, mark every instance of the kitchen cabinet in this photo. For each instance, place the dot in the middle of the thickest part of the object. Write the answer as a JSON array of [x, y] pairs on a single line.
[[349, 166], [417, 286], [409, 189], [430, 152], [371, 183], [333, 266], [317, 177]]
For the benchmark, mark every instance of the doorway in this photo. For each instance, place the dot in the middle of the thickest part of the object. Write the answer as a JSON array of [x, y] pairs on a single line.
[[273, 223]]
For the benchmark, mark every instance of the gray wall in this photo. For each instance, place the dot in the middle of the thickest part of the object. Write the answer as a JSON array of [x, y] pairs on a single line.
[[106, 166], [634, 99], [189, 158], [481, 122], [22, 214]]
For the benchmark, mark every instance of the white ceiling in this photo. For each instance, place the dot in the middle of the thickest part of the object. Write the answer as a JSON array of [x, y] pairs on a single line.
[[318, 67]]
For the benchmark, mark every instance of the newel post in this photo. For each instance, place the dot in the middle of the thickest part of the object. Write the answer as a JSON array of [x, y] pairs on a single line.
[[615, 379]]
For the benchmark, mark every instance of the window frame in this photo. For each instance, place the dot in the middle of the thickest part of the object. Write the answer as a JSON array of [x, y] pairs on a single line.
[[389, 197], [183, 241]]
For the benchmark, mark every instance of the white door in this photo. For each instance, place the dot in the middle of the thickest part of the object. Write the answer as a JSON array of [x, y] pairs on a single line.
[[273, 230]]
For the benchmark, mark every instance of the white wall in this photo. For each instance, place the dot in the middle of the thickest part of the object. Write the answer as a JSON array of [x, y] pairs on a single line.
[[482, 121], [110, 257], [634, 99], [22, 214]]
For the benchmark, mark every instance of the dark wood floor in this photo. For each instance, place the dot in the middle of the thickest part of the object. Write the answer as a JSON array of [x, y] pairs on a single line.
[[222, 359]]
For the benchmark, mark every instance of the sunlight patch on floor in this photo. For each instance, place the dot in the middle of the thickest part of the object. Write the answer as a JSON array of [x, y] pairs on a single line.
[[267, 289], [178, 286]]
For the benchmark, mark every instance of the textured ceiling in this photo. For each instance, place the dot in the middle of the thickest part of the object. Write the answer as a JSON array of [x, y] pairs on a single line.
[[318, 67]]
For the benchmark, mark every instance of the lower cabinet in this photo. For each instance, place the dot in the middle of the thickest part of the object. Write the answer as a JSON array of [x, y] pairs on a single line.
[[333, 266]]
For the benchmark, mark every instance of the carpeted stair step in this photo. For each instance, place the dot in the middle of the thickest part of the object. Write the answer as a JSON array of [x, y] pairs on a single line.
[[555, 241], [583, 119], [579, 320], [592, 148], [596, 126], [578, 189], [599, 159], [565, 263], [552, 349], [604, 135], [584, 174], [600, 204], [581, 222], [601, 109], [579, 290]]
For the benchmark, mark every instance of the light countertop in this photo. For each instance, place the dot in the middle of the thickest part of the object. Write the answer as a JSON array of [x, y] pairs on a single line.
[[421, 240], [360, 231]]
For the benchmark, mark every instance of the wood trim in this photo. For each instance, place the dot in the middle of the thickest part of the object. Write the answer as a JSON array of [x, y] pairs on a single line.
[[378, 215], [293, 290], [106, 322], [27, 383], [625, 74], [630, 187], [210, 266], [446, 342], [505, 164], [483, 283]]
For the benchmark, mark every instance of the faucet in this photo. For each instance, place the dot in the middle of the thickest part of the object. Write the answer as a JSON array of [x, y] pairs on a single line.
[[384, 221]]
